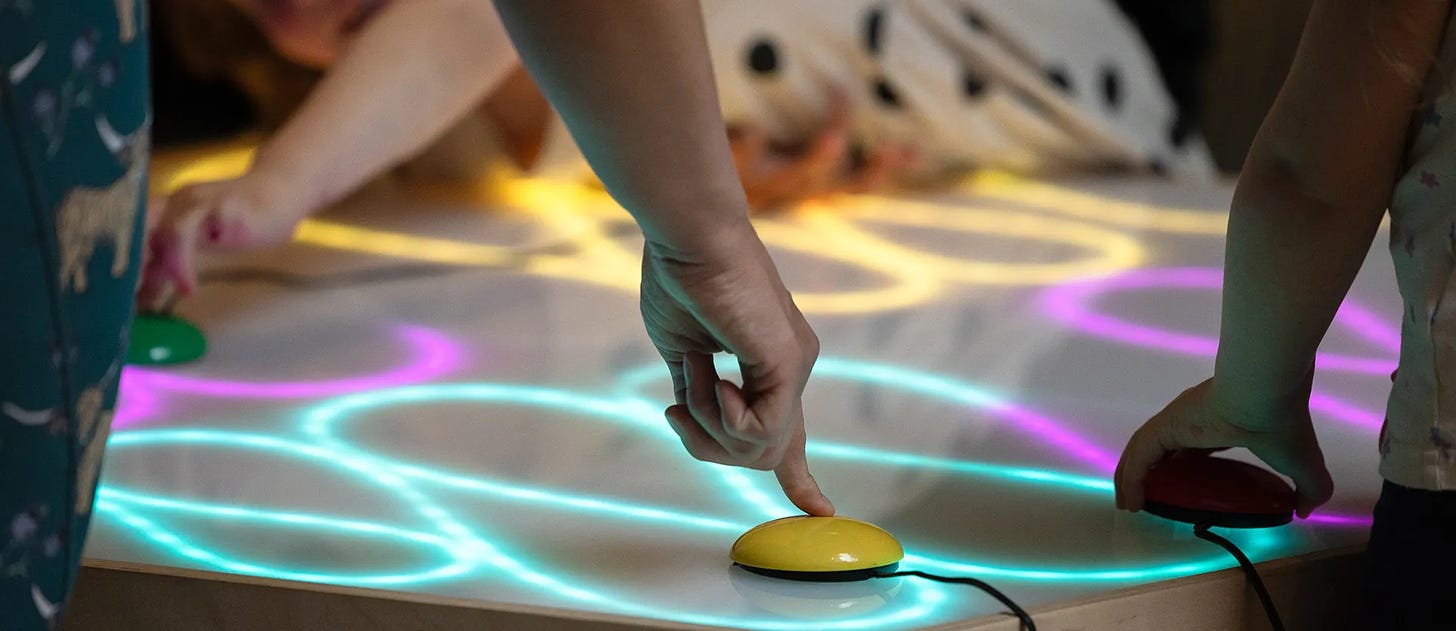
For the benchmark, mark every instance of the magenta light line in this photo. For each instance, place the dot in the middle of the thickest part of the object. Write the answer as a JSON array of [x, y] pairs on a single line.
[[1058, 434], [1069, 304], [134, 402], [434, 356], [1367, 324], [1345, 411], [1335, 519]]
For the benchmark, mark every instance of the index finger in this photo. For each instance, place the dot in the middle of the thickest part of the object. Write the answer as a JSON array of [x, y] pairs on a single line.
[[798, 484], [177, 242]]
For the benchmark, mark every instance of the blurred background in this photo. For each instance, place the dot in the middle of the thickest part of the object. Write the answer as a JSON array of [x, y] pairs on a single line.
[[215, 73]]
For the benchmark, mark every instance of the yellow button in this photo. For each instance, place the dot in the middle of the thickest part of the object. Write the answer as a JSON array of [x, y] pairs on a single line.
[[816, 544]]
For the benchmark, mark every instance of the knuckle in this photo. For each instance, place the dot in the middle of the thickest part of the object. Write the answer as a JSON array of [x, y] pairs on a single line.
[[747, 452], [771, 459], [763, 435], [809, 348]]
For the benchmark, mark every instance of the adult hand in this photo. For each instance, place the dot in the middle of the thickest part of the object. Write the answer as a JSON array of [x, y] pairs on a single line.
[[730, 299]]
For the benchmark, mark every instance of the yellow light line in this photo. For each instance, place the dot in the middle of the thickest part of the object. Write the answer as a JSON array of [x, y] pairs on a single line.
[[1056, 199], [584, 217], [384, 243], [601, 266], [173, 170], [1111, 251], [835, 240]]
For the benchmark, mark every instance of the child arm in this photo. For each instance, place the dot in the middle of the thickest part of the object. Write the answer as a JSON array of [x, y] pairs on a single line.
[[1317, 181], [415, 69]]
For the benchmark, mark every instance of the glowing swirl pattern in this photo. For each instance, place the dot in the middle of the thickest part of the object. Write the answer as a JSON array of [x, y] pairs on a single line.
[[455, 549], [1056, 199], [1057, 433], [584, 215], [445, 546]]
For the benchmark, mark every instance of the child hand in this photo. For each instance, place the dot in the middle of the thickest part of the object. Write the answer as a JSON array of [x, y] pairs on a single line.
[[1201, 419], [247, 212], [731, 299]]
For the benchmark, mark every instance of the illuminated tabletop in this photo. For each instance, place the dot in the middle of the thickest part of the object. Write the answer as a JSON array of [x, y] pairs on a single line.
[[452, 395]]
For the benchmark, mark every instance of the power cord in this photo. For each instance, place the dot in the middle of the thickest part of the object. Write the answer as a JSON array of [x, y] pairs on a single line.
[[1201, 531], [1026, 622]]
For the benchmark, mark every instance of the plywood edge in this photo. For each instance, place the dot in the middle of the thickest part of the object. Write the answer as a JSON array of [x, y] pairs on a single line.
[[123, 596], [1313, 591]]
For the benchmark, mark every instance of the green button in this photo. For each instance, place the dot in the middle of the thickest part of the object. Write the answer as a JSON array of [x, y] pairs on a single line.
[[161, 340]]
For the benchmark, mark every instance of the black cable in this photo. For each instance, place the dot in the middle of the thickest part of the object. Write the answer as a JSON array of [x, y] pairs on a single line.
[[1016, 610], [1202, 532]]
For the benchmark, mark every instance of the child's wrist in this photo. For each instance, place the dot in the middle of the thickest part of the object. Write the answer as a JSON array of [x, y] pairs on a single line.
[[285, 190], [1260, 408]]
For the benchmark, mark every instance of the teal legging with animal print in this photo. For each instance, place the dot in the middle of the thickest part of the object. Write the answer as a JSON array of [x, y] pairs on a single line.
[[73, 159]]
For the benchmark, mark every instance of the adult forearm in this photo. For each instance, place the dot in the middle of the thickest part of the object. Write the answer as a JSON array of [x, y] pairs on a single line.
[[634, 82]]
